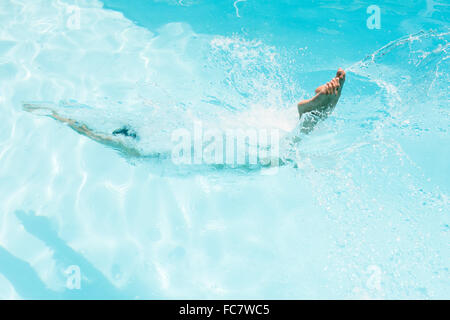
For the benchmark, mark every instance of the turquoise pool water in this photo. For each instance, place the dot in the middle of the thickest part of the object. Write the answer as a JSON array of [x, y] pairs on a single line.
[[359, 211]]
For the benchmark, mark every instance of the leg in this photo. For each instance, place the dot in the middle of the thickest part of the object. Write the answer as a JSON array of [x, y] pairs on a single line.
[[326, 98]]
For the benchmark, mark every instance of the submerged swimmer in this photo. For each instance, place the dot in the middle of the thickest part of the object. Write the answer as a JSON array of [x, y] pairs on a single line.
[[311, 111]]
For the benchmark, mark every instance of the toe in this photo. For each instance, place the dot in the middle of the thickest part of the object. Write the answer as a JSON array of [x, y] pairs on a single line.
[[336, 85], [340, 74]]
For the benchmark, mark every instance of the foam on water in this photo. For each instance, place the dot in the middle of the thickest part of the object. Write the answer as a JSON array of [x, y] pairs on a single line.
[[364, 214]]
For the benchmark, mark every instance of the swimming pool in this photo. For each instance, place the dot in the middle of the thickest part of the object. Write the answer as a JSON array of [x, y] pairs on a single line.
[[359, 211]]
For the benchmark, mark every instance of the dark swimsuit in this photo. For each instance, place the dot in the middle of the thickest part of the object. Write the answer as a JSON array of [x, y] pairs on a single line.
[[125, 131]]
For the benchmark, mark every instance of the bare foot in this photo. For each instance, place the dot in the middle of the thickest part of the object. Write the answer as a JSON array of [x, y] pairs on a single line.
[[327, 95]]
